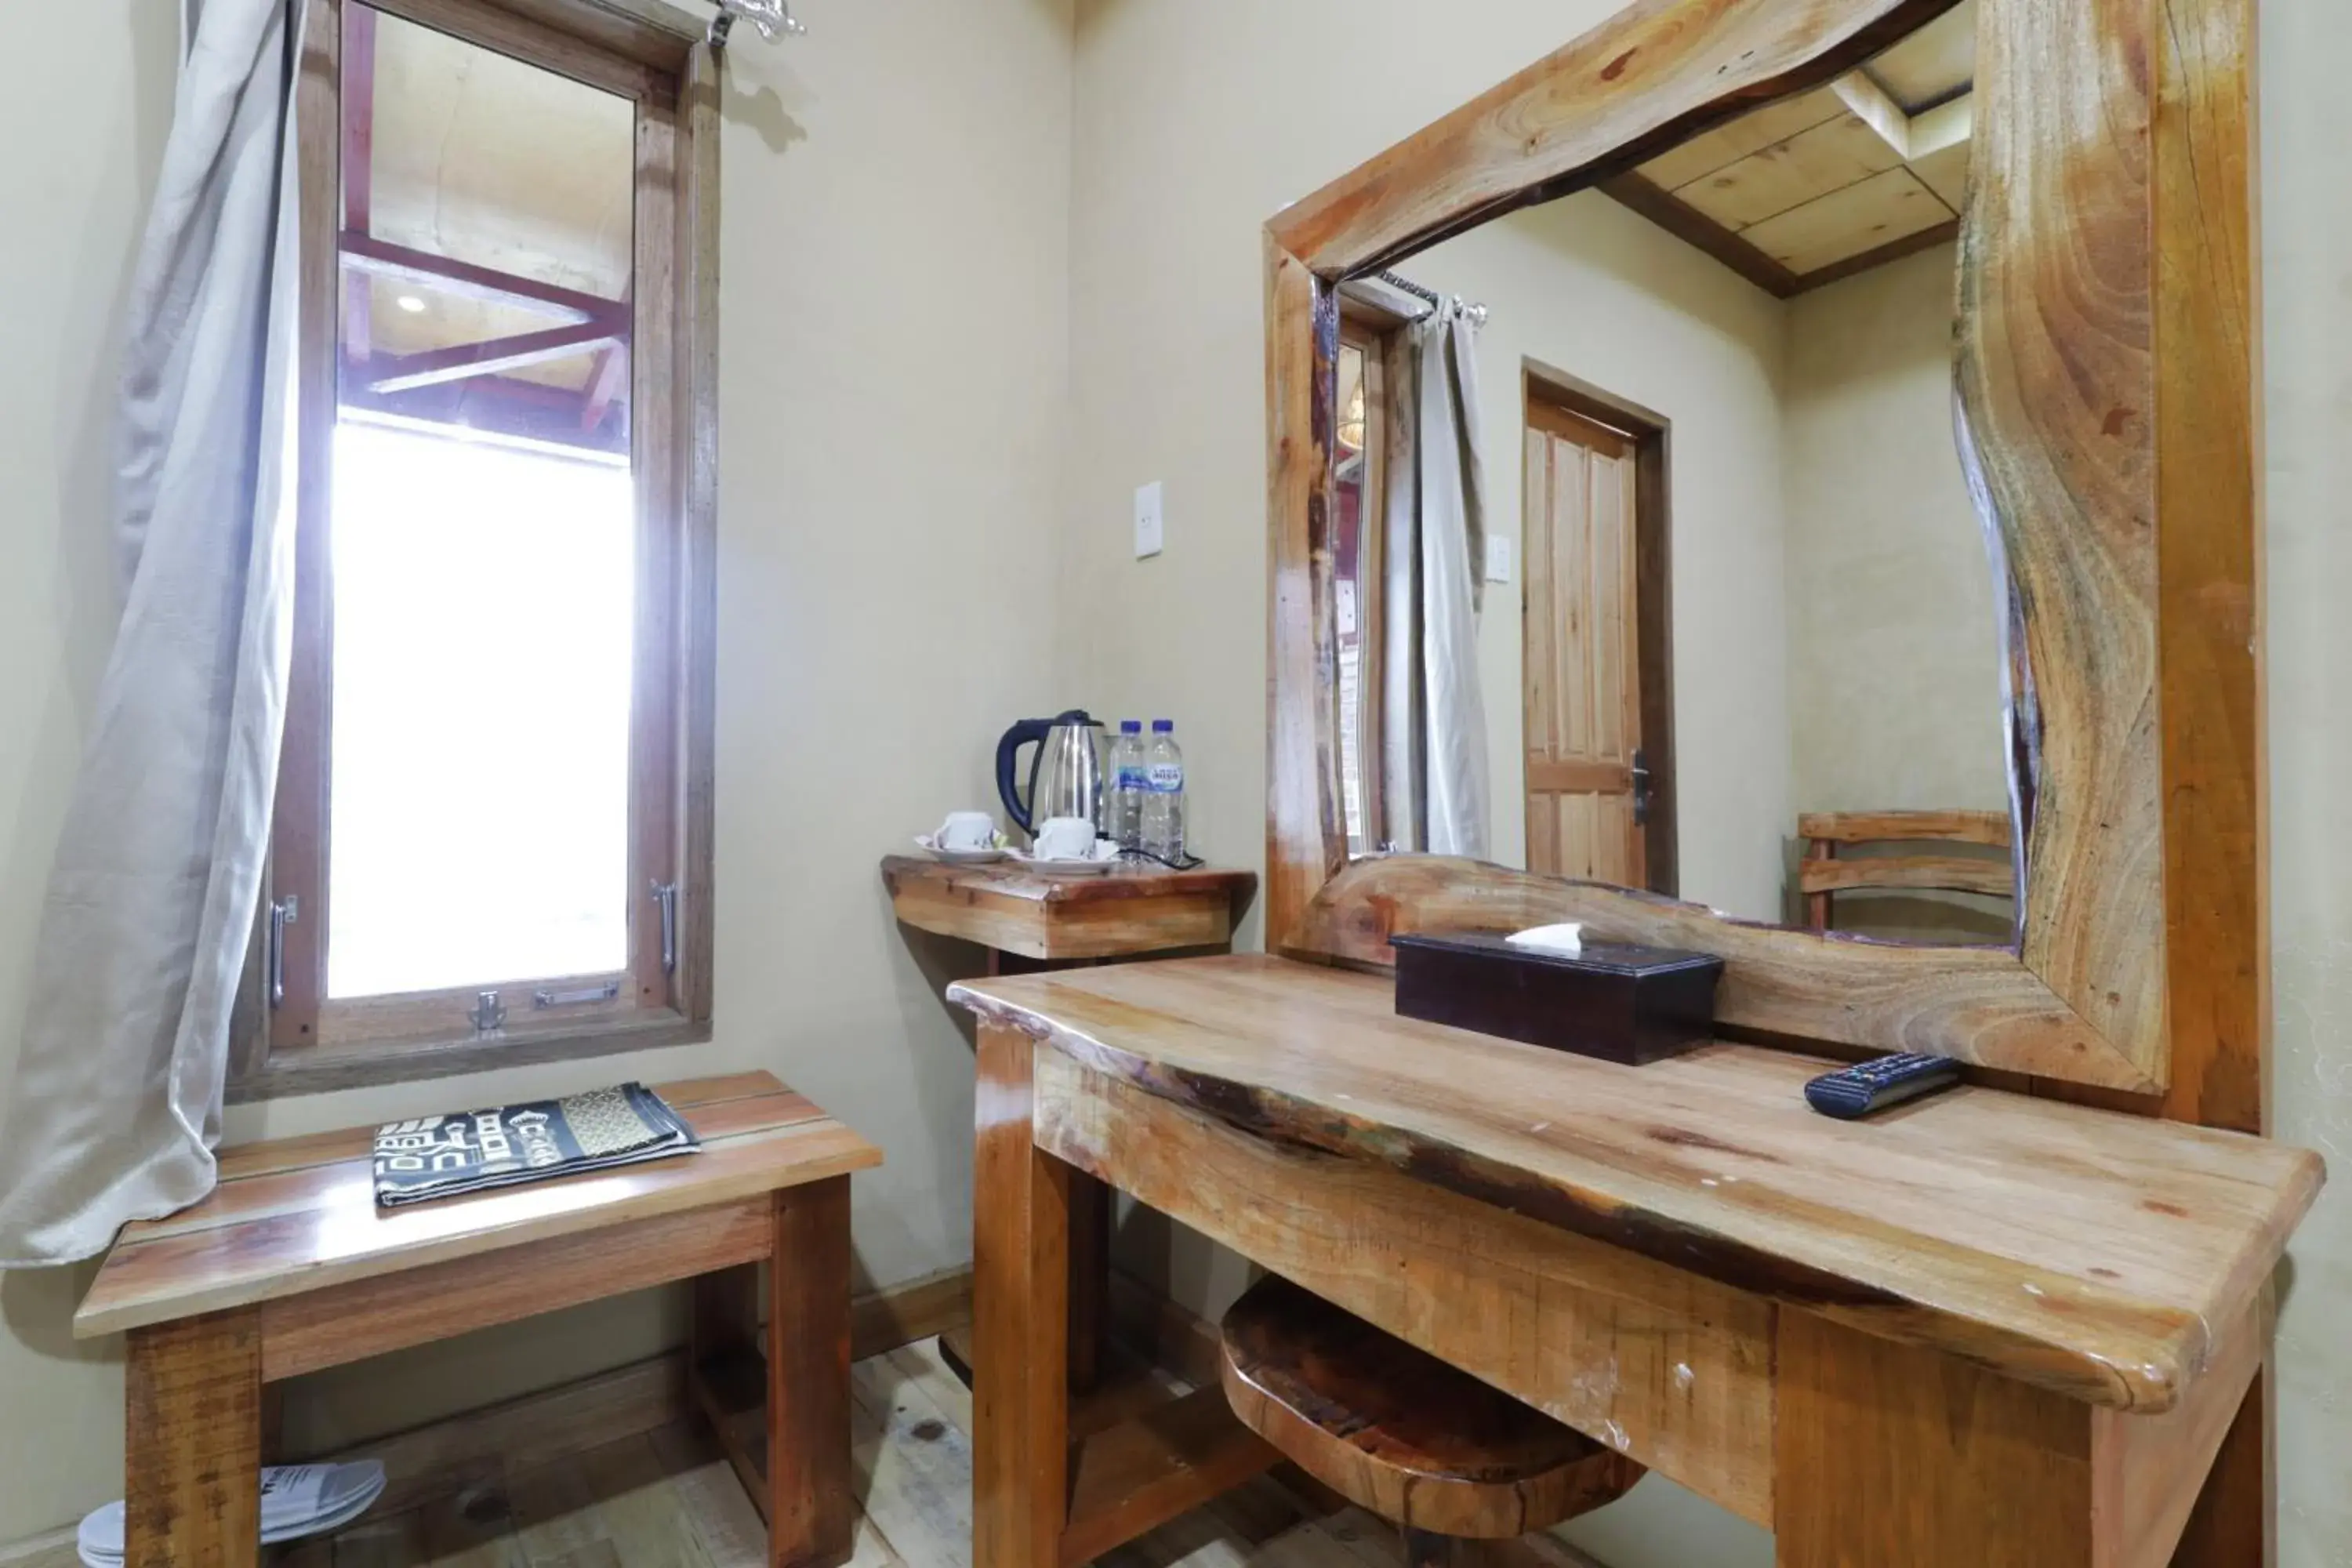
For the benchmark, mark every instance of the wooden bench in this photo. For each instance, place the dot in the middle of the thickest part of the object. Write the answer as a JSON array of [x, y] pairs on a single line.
[[290, 1268]]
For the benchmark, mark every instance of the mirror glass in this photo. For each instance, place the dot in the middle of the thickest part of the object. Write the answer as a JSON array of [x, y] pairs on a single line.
[[1654, 562]]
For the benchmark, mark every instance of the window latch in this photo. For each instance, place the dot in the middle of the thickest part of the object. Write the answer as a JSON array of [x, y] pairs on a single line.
[[283, 913], [488, 1015], [665, 898]]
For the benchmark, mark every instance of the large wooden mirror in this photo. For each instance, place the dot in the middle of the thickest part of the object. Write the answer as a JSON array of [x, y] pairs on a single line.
[[1752, 456]]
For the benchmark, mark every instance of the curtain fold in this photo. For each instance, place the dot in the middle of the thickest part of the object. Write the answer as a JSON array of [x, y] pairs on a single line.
[[1433, 779], [116, 1102]]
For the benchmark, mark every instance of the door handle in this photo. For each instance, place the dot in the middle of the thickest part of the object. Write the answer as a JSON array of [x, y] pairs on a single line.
[[1641, 774]]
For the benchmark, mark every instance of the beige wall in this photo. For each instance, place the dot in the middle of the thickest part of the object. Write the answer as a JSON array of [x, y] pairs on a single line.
[[894, 398], [2306, 54], [1893, 652], [1894, 658], [1586, 287]]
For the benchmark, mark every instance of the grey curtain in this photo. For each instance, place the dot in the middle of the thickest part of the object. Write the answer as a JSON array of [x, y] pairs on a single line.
[[117, 1100], [1433, 783]]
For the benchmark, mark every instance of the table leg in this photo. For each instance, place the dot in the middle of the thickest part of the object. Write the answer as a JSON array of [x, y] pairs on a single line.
[[1090, 1210], [812, 1512], [1021, 1288], [192, 1449]]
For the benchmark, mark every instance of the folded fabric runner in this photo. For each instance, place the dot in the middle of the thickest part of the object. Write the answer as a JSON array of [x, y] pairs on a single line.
[[296, 1500], [442, 1156]]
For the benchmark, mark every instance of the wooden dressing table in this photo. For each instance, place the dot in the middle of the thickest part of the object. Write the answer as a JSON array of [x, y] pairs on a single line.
[[1986, 1329]]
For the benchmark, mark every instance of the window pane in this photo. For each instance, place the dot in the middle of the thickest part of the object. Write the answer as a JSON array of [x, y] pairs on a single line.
[[479, 803]]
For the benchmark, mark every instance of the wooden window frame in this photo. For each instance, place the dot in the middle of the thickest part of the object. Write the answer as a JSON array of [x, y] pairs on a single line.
[[651, 55]]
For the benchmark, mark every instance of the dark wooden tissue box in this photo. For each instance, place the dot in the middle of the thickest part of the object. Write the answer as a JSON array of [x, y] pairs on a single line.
[[1621, 1004]]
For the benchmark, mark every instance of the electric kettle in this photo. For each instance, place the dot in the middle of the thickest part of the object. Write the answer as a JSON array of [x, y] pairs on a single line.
[[1065, 776]]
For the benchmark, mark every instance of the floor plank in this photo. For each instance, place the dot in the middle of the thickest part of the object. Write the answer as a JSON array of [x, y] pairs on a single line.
[[667, 1499]]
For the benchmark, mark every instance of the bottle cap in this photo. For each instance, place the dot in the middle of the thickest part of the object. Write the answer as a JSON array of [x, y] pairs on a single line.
[[1130, 726], [1164, 726]]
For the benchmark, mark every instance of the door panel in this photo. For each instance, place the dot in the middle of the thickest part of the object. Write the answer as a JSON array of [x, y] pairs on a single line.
[[1582, 681]]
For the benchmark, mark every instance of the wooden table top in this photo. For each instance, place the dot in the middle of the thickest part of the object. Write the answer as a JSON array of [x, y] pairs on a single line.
[[2090, 1252], [299, 1214], [1012, 879], [1117, 914]]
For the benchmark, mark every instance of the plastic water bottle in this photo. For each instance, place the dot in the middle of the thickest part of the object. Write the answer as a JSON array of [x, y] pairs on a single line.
[[1163, 800], [1129, 781]]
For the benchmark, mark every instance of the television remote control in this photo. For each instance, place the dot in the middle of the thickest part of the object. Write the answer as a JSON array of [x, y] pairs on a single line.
[[1852, 1094]]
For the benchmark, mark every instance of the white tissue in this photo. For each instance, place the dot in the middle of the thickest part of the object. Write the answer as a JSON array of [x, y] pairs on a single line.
[[1567, 940]]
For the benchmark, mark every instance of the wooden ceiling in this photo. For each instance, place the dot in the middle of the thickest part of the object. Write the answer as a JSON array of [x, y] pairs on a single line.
[[1817, 187]]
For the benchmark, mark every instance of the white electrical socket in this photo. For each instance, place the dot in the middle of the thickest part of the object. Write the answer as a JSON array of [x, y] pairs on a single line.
[[1151, 520], [1498, 557]]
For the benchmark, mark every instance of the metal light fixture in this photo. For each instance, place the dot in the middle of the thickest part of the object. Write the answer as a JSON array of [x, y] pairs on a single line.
[[771, 16]]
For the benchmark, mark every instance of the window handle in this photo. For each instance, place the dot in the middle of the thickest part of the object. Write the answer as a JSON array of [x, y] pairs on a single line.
[[283, 913], [666, 897]]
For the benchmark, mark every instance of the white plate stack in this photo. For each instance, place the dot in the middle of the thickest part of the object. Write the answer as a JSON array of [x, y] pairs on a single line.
[[296, 1500]]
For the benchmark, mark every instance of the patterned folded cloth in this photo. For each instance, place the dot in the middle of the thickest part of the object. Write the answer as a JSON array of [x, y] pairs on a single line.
[[442, 1156]]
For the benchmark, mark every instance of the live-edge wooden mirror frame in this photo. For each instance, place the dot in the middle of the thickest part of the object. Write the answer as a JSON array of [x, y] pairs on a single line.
[[2105, 374]]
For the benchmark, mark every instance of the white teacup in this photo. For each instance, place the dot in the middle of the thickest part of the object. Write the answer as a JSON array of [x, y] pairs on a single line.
[[1065, 838], [966, 830]]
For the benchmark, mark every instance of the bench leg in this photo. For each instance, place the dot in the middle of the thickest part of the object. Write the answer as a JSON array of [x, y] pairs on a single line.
[[192, 1449], [812, 1512]]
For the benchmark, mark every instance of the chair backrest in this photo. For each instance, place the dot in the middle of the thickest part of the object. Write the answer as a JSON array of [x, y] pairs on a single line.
[[1824, 873]]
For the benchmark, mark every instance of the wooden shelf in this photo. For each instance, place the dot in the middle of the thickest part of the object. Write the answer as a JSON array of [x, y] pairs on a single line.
[[1119, 914]]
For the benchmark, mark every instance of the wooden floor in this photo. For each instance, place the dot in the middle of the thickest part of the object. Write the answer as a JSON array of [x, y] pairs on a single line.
[[668, 1500]]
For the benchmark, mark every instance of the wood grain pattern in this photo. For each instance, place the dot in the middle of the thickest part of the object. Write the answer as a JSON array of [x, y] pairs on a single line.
[[2145, 1472], [282, 1232], [1977, 1003], [1950, 873], [1397, 1431], [192, 1457], [320, 1328], [1655, 75], [1021, 1283], [1528, 1307], [811, 1511], [2056, 381], [1137, 1473], [1889, 1454], [1015, 910], [1987, 828], [2060, 368], [2147, 1235]]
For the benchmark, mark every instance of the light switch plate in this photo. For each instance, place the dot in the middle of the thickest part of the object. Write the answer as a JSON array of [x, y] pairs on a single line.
[[1151, 520], [1498, 557]]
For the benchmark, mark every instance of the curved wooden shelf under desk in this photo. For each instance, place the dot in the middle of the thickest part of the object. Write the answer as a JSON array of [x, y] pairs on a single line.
[[1983, 1328]]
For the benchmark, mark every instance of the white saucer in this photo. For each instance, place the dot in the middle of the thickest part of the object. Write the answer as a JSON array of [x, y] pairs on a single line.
[[960, 857], [1094, 865]]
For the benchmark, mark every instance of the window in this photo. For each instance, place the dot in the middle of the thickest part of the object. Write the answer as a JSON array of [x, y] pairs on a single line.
[[493, 831], [1361, 500]]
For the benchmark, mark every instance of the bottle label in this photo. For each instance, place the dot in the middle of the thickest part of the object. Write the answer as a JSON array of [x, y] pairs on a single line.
[[1166, 778], [1134, 775]]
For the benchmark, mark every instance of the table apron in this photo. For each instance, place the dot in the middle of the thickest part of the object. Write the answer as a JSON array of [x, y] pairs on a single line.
[[1670, 1368], [362, 1318]]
